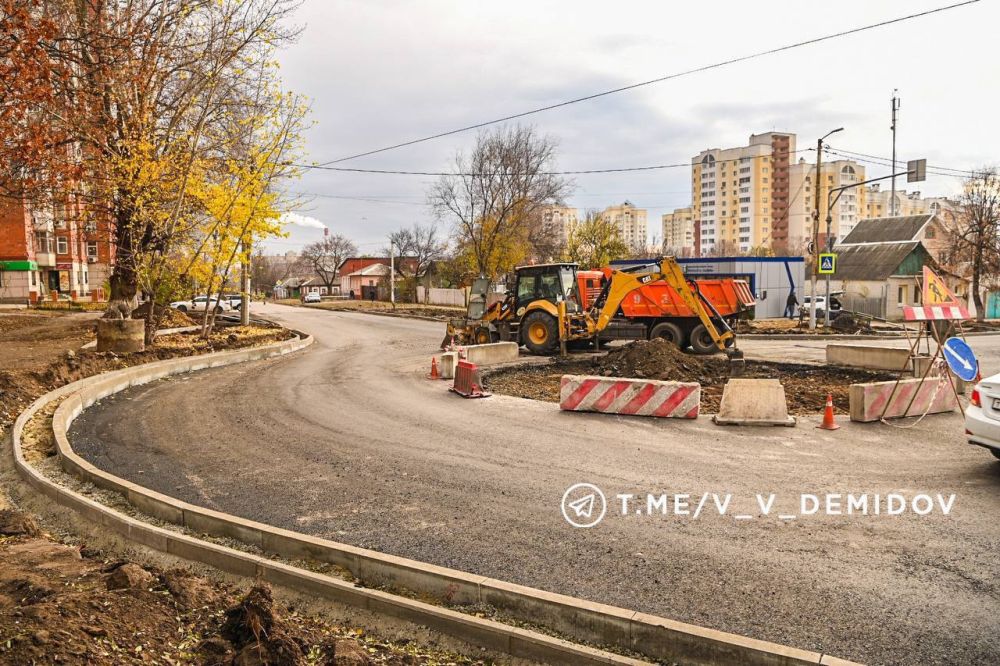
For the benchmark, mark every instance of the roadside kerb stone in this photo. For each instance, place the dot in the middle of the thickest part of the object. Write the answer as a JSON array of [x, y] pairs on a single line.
[[576, 618]]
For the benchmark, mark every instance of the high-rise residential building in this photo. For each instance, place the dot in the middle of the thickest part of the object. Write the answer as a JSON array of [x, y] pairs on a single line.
[[560, 220], [846, 213], [678, 232], [739, 196], [631, 223]]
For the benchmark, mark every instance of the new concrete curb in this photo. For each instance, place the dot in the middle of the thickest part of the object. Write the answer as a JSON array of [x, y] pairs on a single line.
[[582, 620]]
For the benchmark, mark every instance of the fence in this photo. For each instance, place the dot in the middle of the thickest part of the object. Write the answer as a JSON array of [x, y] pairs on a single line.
[[873, 306], [435, 296]]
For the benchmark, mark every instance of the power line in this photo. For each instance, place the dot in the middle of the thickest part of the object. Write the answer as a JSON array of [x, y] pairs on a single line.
[[888, 160], [583, 172], [703, 68]]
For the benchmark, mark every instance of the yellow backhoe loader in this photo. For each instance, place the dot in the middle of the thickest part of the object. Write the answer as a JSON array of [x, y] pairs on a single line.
[[552, 306]]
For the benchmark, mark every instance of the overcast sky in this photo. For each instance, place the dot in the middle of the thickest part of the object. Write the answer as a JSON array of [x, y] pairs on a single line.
[[379, 72]]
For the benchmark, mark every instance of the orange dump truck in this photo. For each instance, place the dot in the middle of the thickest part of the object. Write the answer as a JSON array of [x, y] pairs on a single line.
[[657, 310]]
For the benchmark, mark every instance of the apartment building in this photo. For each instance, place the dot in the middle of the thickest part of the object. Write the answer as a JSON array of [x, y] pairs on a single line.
[[678, 232], [846, 213], [48, 250], [739, 196], [560, 221], [907, 203], [631, 223]]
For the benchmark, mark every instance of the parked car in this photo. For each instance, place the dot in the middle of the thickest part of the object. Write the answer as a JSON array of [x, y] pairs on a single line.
[[312, 297], [234, 300], [835, 306], [201, 303], [982, 416]]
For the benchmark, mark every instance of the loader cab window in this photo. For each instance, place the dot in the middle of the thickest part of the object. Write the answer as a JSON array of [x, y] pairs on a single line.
[[548, 283]]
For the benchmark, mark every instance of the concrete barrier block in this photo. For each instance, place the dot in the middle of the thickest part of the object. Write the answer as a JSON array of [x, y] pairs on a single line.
[[497, 352], [908, 397], [634, 397], [869, 356], [449, 361], [753, 402]]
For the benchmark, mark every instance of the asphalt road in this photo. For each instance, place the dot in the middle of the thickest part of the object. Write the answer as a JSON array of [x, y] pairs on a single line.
[[349, 441]]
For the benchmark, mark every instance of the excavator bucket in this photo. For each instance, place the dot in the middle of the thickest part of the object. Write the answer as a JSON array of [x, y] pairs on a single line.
[[737, 364]]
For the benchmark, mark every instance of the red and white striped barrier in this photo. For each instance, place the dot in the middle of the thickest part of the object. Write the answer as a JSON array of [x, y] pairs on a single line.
[[934, 312], [468, 384], [933, 396], [636, 397]]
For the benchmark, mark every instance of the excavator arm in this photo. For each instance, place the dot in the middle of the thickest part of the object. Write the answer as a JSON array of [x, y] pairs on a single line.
[[622, 283]]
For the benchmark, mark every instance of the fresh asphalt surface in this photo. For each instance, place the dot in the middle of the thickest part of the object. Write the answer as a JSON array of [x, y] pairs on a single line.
[[348, 440]]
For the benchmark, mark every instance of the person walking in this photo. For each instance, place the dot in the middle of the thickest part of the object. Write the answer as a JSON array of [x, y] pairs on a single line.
[[790, 305]]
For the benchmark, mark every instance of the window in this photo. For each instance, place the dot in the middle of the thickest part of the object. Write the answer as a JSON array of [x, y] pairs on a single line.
[[902, 294], [929, 233], [62, 246], [92, 249], [43, 242]]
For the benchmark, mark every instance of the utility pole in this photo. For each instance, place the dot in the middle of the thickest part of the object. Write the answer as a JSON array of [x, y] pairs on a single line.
[[392, 276], [817, 193], [245, 284], [895, 109]]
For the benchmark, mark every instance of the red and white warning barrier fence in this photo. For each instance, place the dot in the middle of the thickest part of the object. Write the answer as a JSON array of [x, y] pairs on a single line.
[[468, 384], [636, 397], [910, 397], [934, 312]]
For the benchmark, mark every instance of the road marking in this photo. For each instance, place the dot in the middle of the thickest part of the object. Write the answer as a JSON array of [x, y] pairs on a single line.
[[743, 516], [786, 516]]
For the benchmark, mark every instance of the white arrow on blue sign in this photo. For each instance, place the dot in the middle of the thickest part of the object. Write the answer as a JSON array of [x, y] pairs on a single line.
[[961, 359]]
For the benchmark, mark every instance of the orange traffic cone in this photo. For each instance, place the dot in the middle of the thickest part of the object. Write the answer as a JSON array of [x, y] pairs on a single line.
[[828, 423], [434, 369]]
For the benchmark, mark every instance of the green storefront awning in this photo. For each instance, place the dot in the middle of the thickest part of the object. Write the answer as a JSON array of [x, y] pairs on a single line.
[[25, 265]]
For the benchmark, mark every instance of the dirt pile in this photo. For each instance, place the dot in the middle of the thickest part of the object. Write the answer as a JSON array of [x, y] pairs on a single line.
[[658, 359], [66, 604], [168, 317]]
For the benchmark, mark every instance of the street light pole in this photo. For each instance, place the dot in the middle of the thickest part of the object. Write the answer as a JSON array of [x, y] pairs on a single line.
[[829, 248], [817, 193]]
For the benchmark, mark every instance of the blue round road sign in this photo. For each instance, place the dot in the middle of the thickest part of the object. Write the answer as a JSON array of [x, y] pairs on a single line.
[[961, 359]]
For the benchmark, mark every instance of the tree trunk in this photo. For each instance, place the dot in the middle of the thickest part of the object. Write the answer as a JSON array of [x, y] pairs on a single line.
[[977, 269], [124, 280]]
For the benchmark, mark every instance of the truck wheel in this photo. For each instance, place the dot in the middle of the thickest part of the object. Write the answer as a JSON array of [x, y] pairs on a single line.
[[540, 333], [668, 331], [482, 336], [701, 341]]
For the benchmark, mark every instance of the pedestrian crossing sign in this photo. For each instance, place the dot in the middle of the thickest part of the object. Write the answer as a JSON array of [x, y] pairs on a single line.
[[827, 263]]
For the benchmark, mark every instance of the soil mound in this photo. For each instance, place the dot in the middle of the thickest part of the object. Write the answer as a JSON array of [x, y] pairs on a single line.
[[659, 359], [166, 317]]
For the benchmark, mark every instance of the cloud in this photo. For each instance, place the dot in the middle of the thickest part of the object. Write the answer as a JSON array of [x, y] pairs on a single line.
[[302, 221]]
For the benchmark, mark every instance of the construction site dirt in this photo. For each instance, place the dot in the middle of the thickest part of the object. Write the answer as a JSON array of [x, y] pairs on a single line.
[[806, 386]]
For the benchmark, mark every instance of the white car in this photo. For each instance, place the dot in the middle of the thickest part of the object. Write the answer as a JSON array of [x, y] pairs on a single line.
[[821, 306], [201, 303], [982, 416], [312, 297]]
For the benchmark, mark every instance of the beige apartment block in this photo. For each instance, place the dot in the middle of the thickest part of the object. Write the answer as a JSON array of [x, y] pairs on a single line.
[[560, 221], [846, 213], [631, 223], [879, 197], [678, 232], [739, 196]]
